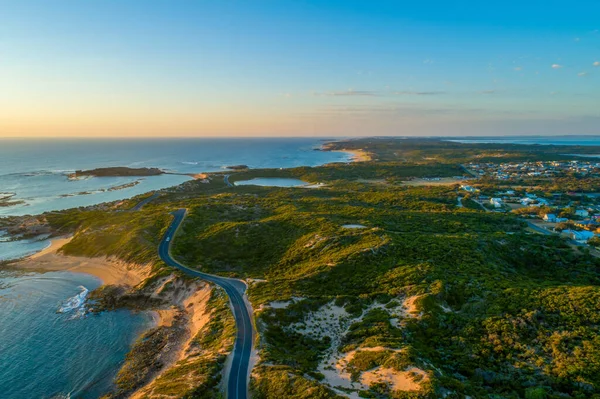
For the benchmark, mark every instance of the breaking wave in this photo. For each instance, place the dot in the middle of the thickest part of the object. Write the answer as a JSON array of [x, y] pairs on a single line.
[[75, 304]]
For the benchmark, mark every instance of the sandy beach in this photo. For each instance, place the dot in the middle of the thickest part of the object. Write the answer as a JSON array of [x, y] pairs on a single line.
[[185, 309], [357, 155], [108, 270]]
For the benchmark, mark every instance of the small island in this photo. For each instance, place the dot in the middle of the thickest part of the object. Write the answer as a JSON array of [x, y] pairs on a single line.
[[238, 167], [119, 171]]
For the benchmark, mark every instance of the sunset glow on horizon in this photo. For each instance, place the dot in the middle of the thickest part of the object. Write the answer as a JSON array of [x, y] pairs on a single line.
[[305, 68]]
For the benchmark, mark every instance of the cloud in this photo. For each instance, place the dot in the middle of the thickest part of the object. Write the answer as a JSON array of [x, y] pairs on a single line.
[[577, 39], [596, 64], [348, 93], [518, 68], [370, 93], [582, 74], [380, 110], [487, 92], [411, 111], [419, 93], [556, 66]]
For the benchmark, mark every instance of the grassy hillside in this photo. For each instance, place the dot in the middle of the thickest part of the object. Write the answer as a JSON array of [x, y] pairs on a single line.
[[502, 309], [456, 301], [436, 151]]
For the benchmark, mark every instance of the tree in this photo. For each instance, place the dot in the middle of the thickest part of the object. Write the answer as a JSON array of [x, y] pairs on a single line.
[[535, 393]]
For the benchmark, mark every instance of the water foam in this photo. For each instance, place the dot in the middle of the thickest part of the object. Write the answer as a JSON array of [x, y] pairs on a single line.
[[75, 304]]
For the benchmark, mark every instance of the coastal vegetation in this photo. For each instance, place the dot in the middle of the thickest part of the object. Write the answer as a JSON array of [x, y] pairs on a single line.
[[197, 373], [119, 171], [424, 150], [431, 297], [182, 356], [364, 171]]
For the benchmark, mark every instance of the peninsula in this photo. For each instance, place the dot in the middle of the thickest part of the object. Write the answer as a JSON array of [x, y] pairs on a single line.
[[119, 171], [437, 269]]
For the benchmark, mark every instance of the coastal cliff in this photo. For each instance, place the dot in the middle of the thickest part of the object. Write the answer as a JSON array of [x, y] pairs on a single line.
[[185, 349], [185, 352]]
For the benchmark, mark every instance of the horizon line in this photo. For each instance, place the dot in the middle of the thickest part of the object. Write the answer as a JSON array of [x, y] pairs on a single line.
[[509, 136]]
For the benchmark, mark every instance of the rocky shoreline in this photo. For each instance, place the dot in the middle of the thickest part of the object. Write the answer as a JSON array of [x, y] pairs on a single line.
[[182, 309], [6, 200]]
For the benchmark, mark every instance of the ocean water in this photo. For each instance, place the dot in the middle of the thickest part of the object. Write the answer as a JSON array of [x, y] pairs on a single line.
[[14, 249], [35, 171], [272, 182], [49, 348]]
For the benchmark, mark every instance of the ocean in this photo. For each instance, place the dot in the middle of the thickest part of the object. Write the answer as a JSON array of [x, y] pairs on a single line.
[[48, 348], [34, 172]]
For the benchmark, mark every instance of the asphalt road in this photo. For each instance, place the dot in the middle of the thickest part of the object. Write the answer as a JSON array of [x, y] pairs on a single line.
[[549, 233], [143, 202], [226, 180], [538, 228], [237, 384]]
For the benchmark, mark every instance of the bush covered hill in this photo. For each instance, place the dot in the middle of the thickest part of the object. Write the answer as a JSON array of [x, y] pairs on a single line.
[[446, 301]]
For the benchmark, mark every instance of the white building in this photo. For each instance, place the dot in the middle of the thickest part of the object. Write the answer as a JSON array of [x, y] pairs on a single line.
[[469, 189], [497, 202], [550, 217], [527, 201]]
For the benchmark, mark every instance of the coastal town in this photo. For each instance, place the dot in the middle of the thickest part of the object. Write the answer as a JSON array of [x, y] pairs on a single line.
[[573, 214], [519, 170]]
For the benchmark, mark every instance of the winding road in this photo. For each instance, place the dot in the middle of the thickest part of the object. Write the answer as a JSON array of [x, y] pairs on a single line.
[[145, 201], [237, 382]]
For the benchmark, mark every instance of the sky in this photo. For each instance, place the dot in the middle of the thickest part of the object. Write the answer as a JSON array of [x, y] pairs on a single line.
[[121, 68]]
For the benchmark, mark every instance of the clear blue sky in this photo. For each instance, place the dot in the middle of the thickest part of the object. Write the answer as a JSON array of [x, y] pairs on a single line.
[[291, 68]]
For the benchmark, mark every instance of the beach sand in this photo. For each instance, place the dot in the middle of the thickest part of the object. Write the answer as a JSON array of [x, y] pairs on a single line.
[[357, 155], [186, 309], [109, 271]]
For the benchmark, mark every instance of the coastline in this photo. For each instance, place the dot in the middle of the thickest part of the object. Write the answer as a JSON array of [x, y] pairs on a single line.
[[177, 314], [355, 155], [182, 314], [109, 271], [198, 158]]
